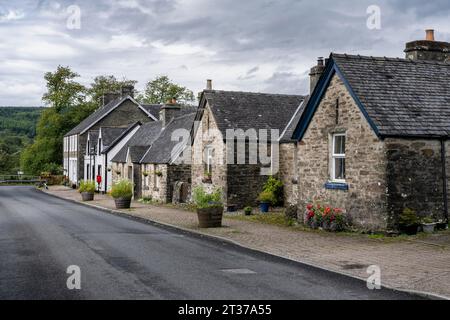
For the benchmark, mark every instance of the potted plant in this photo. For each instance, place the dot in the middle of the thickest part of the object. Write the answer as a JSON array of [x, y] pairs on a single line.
[[248, 211], [428, 225], [209, 207], [87, 190], [158, 173], [118, 172], [266, 198], [145, 174], [408, 222], [122, 192]]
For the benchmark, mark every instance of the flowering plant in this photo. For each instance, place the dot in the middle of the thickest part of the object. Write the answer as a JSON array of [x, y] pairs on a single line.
[[327, 217]]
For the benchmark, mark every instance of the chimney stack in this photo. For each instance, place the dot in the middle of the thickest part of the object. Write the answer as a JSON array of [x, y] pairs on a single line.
[[128, 91], [109, 96], [169, 111], [428, 49], [209, 84], [315, 73]]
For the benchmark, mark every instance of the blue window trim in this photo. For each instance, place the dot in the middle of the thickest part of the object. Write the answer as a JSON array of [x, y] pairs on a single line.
[[336, 186], [317, 95]]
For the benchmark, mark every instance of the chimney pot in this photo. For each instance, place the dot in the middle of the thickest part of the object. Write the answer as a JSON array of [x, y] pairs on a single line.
[[320, 61], [315, 73], [209, 84], [430, 35]]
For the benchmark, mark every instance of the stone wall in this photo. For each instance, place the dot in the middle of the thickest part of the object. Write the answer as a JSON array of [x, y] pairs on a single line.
[[365, 199], [245, 181], [181, 172], [154, 186], [414, 174], [288, 172], [219, 168]]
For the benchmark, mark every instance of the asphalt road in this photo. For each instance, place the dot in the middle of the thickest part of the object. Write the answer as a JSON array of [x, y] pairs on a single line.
[[120, 258]]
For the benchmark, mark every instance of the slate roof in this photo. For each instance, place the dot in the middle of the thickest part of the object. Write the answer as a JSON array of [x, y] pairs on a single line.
[[94, 117], [161, 150], [93, 141], [137, 152], [246, 110], [118, 138], [402, 97], [99, 114], [143, 137], [110, 134], [153, 109], [287, 135]]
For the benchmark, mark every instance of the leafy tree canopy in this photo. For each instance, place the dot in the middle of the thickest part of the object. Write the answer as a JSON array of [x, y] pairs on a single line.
[[162, 89], [105, 84]]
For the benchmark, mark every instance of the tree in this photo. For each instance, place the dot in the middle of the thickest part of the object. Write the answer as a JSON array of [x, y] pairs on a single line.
[[106, 84], [162, 89], [67, 106]]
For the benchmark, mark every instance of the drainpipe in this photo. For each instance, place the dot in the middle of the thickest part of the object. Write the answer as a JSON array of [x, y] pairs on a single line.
[[444, 178], [106, 172]]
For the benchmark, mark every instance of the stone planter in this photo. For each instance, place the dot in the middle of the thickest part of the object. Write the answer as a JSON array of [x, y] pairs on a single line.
[[210, 217], [122, 203], [428, 227], [87, 196]]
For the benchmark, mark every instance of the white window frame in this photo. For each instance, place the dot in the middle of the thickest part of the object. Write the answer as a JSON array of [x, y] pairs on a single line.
[[336, 156], [209, 158]]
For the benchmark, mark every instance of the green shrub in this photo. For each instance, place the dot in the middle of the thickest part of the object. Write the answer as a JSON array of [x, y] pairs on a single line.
[[267, 197], [276, 187], [203, 200], [248, 210], [87, 186], [408, 218], [428, 220], [122, 189]]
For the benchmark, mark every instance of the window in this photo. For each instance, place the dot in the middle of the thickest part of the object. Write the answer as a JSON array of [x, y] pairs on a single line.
[[208, 159], [338, 158]]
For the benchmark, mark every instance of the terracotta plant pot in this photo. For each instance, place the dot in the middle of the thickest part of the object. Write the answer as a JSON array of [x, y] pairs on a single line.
[[210, 217], [87, 196], [122, 203]]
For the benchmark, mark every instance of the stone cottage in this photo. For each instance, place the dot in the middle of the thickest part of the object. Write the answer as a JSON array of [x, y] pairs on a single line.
[[165, 167], [102, 146], [127, 162], [373, 138], [225, 162], [119, 110]]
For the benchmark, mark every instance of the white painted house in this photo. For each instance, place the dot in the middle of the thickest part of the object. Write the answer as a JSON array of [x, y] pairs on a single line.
[[102, 146]]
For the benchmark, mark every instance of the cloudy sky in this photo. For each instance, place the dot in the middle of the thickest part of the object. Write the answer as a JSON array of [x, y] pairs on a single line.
[[247, 45]]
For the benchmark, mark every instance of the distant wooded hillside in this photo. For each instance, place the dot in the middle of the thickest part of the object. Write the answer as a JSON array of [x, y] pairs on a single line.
[[17, 129]]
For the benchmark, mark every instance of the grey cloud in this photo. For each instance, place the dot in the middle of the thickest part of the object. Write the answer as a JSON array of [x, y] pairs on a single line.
[[282, 37]]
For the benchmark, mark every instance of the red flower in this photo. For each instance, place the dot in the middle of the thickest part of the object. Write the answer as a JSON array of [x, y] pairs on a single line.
[[327, 210], [309, 206]]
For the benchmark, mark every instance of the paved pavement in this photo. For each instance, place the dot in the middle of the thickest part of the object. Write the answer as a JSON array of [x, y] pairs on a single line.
[[419, 263], [119, 258]]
